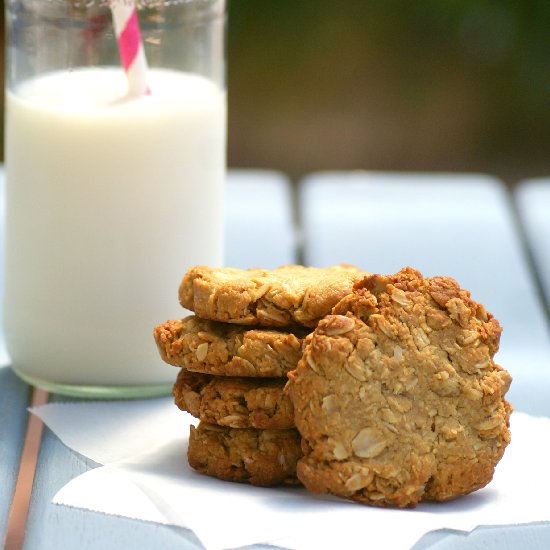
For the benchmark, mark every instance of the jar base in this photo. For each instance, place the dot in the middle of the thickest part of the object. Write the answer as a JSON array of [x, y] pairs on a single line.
[[85, 391]]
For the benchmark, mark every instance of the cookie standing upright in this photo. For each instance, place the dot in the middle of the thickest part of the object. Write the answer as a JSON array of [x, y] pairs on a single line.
[[397, 396]]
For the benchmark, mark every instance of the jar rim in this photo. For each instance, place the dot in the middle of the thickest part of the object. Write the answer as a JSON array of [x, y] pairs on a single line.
[[140, 4]]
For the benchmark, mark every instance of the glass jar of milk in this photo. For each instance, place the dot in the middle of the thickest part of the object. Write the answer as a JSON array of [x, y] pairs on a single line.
[[110, 196]]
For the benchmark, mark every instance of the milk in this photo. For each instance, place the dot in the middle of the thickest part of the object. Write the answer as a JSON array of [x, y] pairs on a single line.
[[109, 201]]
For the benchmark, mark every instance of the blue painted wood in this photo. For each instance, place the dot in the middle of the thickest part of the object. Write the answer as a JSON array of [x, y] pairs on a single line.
[[533, 202], [259, 223], [14, 399], [460, 225]]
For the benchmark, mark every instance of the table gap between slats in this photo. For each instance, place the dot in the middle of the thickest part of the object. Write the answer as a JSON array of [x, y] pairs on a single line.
[[18, 512]]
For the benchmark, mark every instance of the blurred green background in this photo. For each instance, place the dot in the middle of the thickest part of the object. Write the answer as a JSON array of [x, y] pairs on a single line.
[[459, 85], [390, 85]]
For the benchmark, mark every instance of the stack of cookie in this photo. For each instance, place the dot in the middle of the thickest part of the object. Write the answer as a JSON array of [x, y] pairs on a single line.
[[379, 389], [234, 355], [232, 379]]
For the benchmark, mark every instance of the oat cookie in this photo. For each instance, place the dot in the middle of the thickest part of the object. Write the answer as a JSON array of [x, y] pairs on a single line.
[[235, 402], [258, 457], [397, 397], [230, 350], [286, 296]]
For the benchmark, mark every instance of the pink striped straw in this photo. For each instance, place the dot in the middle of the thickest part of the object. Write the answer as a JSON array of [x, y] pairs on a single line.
[[130, 46]]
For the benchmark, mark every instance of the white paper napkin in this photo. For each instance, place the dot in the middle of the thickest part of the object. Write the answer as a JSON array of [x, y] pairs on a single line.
[[142, 445]]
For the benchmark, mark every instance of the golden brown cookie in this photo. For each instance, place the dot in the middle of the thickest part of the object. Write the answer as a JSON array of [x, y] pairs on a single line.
[[286, 296], [235, 402], [397, 397], [228, 350], [258, 457]]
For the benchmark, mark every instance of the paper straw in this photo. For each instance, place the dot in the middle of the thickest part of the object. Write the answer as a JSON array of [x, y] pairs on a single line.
[[130, 46]]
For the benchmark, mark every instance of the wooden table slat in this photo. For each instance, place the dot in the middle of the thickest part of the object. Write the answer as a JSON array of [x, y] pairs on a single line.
[[533, 203], [259, 221], [14, 399]]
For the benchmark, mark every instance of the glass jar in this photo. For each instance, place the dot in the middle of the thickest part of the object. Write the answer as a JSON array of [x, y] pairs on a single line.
[[111, 195]]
